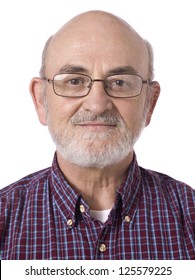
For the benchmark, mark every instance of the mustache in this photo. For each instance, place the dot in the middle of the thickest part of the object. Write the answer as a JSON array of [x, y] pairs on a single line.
[[105, 117]]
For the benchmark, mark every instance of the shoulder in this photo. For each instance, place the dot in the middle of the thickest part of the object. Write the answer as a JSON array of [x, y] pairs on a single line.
[[20, 198], [24, 185], [180, 196], [165, 181]]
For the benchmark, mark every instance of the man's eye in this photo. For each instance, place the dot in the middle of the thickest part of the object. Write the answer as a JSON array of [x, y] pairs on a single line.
[[119, 83], [75, 82]]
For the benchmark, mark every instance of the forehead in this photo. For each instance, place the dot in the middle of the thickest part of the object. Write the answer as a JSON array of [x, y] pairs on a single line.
[[97, 45]]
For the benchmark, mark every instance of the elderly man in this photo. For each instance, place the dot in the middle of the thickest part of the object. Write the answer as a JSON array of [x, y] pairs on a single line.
[[96, 94]]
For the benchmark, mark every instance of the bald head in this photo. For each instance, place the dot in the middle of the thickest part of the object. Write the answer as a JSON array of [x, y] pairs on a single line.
[[94, 21], [96, 30]]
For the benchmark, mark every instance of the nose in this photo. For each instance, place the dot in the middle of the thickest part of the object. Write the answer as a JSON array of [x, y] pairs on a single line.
[[97, 101]]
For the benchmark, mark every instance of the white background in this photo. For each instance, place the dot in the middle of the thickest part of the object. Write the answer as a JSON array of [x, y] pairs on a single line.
[[167, 145]]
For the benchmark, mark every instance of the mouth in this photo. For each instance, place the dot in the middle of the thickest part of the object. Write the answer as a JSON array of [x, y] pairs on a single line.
[[96, 125]]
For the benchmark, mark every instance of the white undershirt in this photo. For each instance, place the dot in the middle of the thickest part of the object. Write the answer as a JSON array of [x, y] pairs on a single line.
[[101, 216]]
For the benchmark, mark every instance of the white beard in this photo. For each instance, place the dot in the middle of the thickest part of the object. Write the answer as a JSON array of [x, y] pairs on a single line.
[[91, 148]]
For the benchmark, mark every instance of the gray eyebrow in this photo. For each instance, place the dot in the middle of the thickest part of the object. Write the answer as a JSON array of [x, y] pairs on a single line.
[[123, 70], [73, 68]]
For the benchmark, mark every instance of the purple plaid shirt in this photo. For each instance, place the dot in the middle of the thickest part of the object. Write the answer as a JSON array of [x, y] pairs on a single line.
[[42, 217]]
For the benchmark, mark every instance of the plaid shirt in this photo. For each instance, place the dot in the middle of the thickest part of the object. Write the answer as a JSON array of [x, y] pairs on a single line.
[[42, 217]]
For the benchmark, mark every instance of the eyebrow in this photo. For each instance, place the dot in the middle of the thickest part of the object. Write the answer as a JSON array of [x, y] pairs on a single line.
[[123, 70], [73, 68]]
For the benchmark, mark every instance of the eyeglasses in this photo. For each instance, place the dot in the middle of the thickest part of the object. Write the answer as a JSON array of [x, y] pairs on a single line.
[[77, 85]]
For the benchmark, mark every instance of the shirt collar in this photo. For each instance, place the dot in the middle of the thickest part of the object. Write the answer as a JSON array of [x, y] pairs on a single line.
[[65, 197], [130, 190], [68, 199]]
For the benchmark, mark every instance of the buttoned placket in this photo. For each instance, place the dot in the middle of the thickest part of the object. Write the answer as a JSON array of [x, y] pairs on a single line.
[[100, 244]]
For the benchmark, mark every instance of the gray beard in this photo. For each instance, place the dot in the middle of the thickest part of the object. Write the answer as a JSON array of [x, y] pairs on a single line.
[[93, 149]]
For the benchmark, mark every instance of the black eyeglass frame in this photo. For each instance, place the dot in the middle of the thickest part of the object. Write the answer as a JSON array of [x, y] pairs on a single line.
[[95, 80]]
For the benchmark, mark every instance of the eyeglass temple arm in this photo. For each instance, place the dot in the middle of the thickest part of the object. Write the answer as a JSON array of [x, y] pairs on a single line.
[[47, 80]]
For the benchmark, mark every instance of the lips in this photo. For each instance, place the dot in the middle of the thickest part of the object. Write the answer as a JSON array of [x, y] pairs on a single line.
[[96, 125]]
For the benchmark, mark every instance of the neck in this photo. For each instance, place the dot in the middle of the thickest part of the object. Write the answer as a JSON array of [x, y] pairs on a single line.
[[97, 186]]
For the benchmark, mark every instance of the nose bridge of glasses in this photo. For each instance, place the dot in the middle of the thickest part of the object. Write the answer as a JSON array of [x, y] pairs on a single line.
[[96, 80]]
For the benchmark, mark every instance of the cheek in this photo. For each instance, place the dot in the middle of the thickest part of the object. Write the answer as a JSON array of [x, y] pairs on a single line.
[[60, 110], [132, 112]]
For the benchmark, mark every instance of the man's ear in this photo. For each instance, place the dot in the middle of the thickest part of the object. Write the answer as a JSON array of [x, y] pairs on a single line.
[[154, 91], [37, 93]]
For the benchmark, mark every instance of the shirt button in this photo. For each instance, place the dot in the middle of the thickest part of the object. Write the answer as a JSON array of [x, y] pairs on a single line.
[[102, 248], [127, 219], [82, 208], [70, 222]]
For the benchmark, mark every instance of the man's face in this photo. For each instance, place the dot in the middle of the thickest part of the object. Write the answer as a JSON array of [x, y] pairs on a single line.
[[96, 130]]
